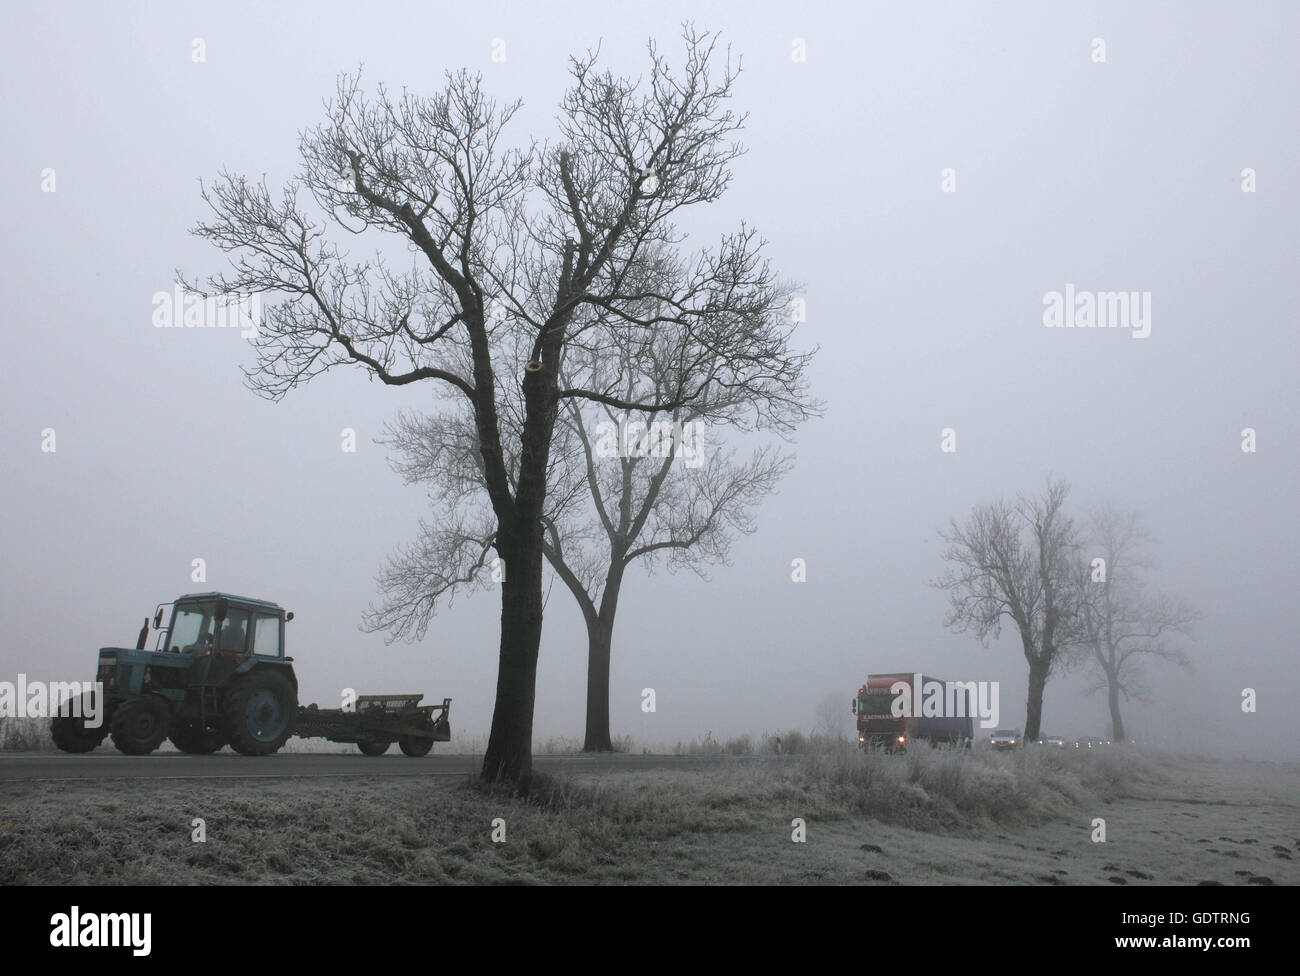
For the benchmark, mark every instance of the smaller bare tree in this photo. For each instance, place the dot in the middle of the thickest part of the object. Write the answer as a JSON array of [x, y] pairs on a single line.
[[1123, 623], [833, 717], [1018, 562]]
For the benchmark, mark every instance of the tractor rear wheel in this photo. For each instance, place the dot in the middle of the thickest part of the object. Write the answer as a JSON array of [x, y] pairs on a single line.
[[70, 732], [415, 745], [140, 725], [260, 712], [187, 738], [372, 747]]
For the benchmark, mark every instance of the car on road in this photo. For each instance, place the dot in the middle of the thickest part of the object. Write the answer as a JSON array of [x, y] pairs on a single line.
[[1052, 740], [1092, 742], [1003, 739]]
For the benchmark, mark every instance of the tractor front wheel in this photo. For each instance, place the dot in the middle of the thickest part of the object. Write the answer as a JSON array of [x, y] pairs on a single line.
[[415, 745], [140, 725], [260, 712], [372, 747]]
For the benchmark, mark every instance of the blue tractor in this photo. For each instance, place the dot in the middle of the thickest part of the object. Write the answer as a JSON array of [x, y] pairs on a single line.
[[218, 676]]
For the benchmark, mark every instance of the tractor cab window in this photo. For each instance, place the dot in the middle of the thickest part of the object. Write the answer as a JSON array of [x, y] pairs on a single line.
[[191, 628], [234, 632], [266, 635]]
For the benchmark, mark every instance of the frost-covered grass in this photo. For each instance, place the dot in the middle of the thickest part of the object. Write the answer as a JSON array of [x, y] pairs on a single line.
[[25, 735], [930, 815], [928, 789]]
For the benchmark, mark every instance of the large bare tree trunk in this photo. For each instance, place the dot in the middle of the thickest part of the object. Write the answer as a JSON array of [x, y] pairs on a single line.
[[1116, 721], [599, 640], [509, 754], [1034, 701]]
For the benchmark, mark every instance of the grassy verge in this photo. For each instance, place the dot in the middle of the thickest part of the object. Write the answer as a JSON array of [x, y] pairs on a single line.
[[730, 824]]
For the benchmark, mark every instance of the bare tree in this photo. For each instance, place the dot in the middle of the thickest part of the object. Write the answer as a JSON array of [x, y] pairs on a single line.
[[512, 251], [622, 491], [833, 717], [1123, 623], [651, 508], [1018, 562]]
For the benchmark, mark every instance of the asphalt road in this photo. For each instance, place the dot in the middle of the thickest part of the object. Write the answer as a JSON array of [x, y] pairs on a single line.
[[44, 766]]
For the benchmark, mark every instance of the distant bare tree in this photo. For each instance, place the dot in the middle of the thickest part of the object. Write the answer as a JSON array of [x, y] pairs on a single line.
[[517, 255], [1018, 562], [1124, 623], [834, 719]]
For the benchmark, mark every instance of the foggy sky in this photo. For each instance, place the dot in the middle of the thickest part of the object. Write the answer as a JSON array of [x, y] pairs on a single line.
[[927, 307]]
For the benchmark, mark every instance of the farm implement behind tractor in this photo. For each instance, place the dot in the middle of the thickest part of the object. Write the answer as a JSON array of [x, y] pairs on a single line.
[[377, 722]]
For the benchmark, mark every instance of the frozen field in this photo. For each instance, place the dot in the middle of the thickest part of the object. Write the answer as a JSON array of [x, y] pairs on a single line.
[[927, 818]]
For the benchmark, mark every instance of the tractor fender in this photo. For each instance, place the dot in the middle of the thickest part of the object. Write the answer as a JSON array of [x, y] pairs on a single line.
[[261, 665]]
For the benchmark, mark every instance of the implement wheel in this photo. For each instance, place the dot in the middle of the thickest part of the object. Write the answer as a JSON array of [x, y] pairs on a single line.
[[415, 745]]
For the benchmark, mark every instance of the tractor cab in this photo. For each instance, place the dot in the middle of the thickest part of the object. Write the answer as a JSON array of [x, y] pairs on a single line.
[[222, 625]]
